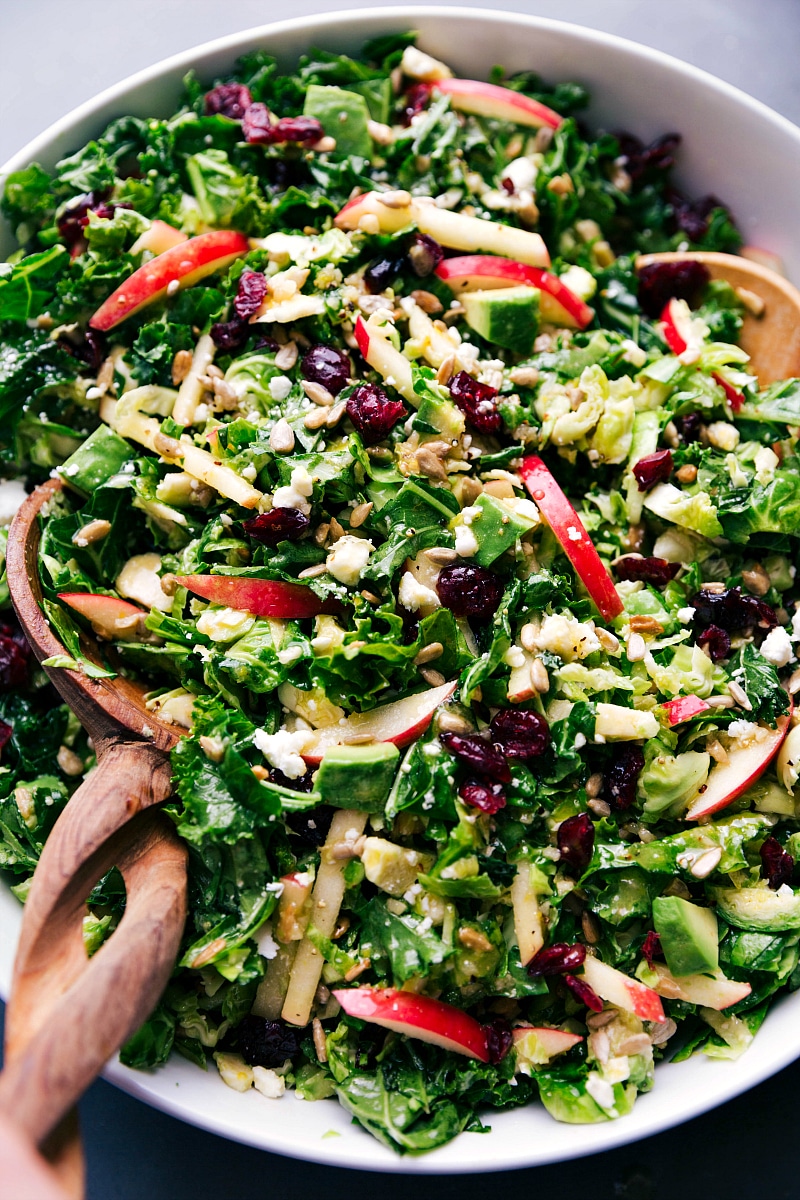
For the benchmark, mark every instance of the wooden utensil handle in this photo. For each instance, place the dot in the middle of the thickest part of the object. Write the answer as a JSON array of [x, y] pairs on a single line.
[[68, 1014]]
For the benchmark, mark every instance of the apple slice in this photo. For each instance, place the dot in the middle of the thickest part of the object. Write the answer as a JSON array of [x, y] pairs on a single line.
[[629, 994], [575, 541], [452, 229], [419, 1017], [683, 336], [746, 762], [557, 303], [399, 722], [183, 264], [262, 597], [388, 362], [535, 1045], [498, 103], [110, 617], [158, 238], [528, 918], [718, 993], [294, 908], [684, 708]]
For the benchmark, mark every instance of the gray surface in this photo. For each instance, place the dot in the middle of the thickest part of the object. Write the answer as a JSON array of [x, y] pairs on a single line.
[[57, 53]]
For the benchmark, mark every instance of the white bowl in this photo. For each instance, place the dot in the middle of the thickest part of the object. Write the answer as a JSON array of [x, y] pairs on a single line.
[[734, 147]]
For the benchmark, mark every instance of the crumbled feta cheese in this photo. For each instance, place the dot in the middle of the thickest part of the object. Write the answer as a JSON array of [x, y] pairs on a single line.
[[289, 655], [139, 580], [579, 281], [777, 647], [283, 750], [12, 497], [347, 559], [414, 595], [685, 615], [765, 461], [466, 542], [296, 493], [633, 354], [600, 1090], [249, 472], [224, 624], [268, 1082], [521, 172], [469, 514], [742, 731], [566, 637], [279, 387], [267, 946], [723, 435], [514, 657], [574, 534]]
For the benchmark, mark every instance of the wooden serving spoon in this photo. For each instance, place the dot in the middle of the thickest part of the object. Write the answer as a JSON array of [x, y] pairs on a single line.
[[772, 339], [68, 1014]]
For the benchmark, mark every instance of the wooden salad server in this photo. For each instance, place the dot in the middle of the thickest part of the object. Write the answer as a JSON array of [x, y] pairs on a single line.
[[772, 339], [67, 1013]]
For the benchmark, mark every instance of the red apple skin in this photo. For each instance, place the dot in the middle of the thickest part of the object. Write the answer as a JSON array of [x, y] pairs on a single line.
[[262, 597], [619, 989], [399, 722], [419, 1017], [728, 780], [185, 263], [558, 304], [489, 100], [361, 334], [103, 612], [554, 1041], [684, 708], [561, 517], [677, 344]]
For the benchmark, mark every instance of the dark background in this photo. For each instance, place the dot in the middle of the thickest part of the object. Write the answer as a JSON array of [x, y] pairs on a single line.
[[57, 53]]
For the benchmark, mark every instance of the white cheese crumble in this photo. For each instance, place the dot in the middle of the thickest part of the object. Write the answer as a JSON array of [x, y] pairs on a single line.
[[296, 493], [12, 497], [600, 1090], [139, 580], [347, 559], [566, 637], [685, 615], [267, 946], [765, 461], [633, 354], [742, 731], [414, 595], [279, 387], [777, 647], [268, 1082], [521, 172], [466, 542], [283, 750]]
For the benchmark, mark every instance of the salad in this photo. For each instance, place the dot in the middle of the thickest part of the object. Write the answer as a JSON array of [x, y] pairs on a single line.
[[459, 545]]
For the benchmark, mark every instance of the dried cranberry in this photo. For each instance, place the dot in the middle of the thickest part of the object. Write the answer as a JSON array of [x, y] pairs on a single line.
[[558, 958], [731, 610], [498, 1039], [659, 282], [74, 218], [257, 125], [277, 525], [424, 255], [373, 413], [653, 469], [266, 1043], [576, 842], [489, 798], [305, 130], [380, 273], [716, 641], [6, 732], [313, 825], [228, 100], [14, 654], [690, 427], [641, 159], [229, 335], [520, 732], [470, 591], [621, 777], [415, 100], [691, 216], [507, 185], [328, 366], [581, 991], [649, 570], [250, 294], [477, 401], [651, 948], [777, 864], [480, 755]]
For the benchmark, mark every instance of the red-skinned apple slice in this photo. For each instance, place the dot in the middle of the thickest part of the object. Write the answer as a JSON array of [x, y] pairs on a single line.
[[700, 989], [569, 529], [386, 360], [746, 762], [399, 722], [262, 597], [183, 264], [557, 304], [455, 230], [536, 1045], [629, 994], [110, 616], [684, 708], [158, 238], [680, 336], [419, 1017], [498, 103]]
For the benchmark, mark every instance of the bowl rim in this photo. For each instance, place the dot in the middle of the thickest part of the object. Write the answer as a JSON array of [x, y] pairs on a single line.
[[593, 1139]]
